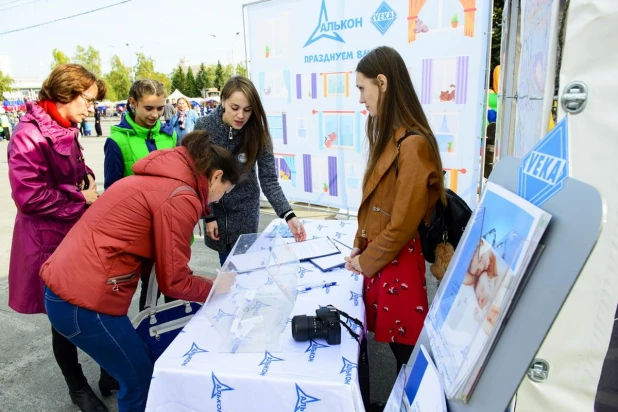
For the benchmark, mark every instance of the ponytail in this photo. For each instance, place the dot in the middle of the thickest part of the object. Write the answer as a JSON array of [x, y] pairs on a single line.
[[208, 157]]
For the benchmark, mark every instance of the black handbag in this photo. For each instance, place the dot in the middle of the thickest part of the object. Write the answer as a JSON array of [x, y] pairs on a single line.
[[447, 223]]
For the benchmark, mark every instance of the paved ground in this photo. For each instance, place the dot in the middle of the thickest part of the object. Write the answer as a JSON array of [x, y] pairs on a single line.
[[29, 377]]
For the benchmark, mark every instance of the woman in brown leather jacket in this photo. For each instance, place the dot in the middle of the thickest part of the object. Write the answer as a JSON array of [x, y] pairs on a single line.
[[402, 183]]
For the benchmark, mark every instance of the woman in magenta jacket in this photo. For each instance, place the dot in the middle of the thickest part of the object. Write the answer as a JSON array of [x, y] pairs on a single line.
[[52, 187]]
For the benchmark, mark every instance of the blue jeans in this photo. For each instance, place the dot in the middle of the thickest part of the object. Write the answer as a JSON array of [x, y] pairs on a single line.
[[223, 255], [112, 342]]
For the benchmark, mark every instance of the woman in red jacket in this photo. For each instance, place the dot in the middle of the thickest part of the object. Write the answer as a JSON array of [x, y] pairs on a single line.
[[91, 278]]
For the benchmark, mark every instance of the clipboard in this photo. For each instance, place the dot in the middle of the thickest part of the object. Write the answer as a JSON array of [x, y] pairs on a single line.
[[331, 262], [314, 248]]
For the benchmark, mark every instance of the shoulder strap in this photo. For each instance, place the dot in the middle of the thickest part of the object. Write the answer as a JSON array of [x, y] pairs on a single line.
[[410, 133]]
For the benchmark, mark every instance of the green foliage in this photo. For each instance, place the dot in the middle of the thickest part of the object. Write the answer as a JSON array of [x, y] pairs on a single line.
[[90, 58], [219, 76], [58, 58], [178, 80], [118, 80], [6, 84], [190, 87]]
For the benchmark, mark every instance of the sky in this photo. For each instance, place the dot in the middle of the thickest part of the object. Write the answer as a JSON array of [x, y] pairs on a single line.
[[164, 30]]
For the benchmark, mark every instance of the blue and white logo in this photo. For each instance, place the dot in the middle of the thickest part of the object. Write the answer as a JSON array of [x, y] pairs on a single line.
[[544, 169], [217, 389], [258, 307], [343, 223], [347, 369], [355, 276], [355, 297], [338, 235], [268, 359], [330, 29], [313, 348], [302, 271], [302, 399], [220, 315], [355, 327], [269, 281], [240, 287], [383, 17], [192, 352]]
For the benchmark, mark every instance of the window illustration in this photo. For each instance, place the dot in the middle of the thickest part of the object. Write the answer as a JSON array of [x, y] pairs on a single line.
[[275, 44], [306, 86], [444, 80], [320, 174], [445, 126], [286, 167], [277, 126], [336, 84], [340, 129], [275, 85], [440, 15], [301, 130]]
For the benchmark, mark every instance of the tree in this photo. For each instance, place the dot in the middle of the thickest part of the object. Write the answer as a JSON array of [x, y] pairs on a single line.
[[58, 58], [190, 87], [90, 58], [210, 74], [201, 79], [178, 80], [118, 80], [496, 36], [145, 69], [241, 70], [5, 84], [219, 76], [229, 72]]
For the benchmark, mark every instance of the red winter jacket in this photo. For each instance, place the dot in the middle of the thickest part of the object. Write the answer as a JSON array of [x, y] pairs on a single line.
[[148, 216]]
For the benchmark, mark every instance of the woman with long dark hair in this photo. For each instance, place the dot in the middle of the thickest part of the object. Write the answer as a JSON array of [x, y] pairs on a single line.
[[402, 183], [239, 125]]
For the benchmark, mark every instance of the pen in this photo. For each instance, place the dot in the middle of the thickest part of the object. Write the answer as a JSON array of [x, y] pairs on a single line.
[[320, 286]]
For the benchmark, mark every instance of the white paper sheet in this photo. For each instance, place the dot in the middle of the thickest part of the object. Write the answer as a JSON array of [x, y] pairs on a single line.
[[314, 248], [424, 391]]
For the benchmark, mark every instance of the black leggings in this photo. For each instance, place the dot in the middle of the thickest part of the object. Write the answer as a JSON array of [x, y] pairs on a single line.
[[402, 353], [66, 357]]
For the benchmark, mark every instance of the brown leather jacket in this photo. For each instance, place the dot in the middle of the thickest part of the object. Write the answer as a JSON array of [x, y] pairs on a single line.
[[394, 204]]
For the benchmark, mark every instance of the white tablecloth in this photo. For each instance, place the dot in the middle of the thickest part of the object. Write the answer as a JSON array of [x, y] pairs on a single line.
[[307, 376]]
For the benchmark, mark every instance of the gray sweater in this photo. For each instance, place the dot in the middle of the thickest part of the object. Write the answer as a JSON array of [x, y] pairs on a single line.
[[238, 212]]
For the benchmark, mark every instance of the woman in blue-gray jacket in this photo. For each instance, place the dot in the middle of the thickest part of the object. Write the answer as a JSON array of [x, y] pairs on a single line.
[[184, 119]]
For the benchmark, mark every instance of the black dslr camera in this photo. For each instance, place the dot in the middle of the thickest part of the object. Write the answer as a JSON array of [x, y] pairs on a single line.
[[325, 324]]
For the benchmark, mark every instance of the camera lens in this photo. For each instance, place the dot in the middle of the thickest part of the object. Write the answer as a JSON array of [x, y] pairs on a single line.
[[306, 327]]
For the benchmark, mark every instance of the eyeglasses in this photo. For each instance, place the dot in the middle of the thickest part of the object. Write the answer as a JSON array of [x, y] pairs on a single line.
[[88, 100]]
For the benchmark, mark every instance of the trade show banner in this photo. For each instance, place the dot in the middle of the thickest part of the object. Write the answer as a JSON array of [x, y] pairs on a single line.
[[303, 55]]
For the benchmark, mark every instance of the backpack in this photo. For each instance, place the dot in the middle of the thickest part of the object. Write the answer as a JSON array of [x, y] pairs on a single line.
[[447, 223]]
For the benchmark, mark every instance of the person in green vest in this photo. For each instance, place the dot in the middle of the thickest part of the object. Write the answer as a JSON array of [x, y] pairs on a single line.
[[139, 133]]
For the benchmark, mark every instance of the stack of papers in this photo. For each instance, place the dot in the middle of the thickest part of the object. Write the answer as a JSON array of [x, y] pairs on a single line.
[[480, 284], [418, 388]]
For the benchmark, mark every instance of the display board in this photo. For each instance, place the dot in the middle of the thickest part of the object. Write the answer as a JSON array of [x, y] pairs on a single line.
[[303, 55]]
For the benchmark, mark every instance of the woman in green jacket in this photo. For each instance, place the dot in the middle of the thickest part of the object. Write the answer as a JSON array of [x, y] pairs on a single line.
[[140, 131]]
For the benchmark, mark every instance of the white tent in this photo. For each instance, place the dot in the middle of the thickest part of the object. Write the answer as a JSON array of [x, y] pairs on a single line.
[[176, 95]]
